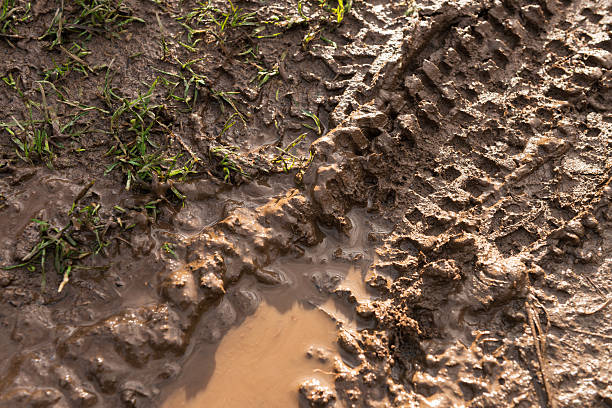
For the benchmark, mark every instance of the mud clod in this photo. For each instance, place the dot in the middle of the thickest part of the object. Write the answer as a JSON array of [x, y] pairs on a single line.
[[316, 394], [180, 288]]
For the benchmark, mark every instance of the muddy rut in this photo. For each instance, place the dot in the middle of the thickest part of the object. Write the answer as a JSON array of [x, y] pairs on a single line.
[[362, 204]]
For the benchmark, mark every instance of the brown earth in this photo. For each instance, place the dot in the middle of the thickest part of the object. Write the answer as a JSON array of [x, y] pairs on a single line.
[[434, 179]]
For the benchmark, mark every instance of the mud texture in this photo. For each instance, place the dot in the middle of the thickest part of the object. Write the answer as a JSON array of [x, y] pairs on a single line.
[[460, 158]]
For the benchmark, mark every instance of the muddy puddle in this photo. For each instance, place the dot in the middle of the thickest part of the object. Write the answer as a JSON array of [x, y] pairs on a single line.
[[261, 362], [290, 337]]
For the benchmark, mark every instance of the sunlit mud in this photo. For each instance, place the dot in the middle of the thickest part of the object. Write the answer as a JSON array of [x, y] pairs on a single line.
[[261, 362]]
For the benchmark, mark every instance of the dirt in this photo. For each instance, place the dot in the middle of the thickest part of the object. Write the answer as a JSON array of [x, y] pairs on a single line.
[[260, 203]]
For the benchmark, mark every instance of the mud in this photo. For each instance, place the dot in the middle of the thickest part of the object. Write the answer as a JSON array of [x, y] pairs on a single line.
[[406, 205], [272, 352]]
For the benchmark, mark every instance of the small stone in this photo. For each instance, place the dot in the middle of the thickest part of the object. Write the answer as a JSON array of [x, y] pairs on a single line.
[[443, 270], [270, 277], [348, 342], [5, 278], [319, 353], [134, 393], [588, 221], [365, 310], [170, 370], [352, 134], [374, 120]]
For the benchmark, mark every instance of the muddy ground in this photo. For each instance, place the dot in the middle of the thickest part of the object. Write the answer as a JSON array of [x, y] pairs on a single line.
[[168, 166]]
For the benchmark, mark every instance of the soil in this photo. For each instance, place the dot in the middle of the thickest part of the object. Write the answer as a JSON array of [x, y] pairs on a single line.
[[395, 205]]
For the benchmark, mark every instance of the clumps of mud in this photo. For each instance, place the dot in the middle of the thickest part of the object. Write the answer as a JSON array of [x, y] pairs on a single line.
[[491, 165], [317, 394], [245, 242], [476, 133]]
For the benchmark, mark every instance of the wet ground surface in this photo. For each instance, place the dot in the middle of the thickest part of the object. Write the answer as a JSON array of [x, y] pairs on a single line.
[[271, 353], [317, 203]]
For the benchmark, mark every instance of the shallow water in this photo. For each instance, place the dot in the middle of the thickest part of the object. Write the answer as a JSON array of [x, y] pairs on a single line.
[[261, 362]]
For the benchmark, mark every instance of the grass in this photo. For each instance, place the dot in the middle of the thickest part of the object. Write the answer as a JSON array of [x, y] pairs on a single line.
[[229, 24], [206, 19], [33, 147], [228, 166], [73, 129], [88, 218], [317, 128], [264, 75], [229, 123], [11, 15], [92, 17], [227, 97], [12, 83], [146, 168], [288, 160], [412, 8], [341, 9], [235, 17], [74, 62], [300, 9], [139, 116], [141, 159], [188, 83], [142, 152], [338, 8], [169, 248], [134, 123], [205, 14], [62, 246], [56, 243], [31, 139], [104, 14]]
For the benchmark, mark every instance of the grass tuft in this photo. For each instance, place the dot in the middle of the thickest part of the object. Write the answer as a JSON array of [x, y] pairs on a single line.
[[91, 17], [228, 166], [338, 8], [316, 121], [141, 159], [12, 13]]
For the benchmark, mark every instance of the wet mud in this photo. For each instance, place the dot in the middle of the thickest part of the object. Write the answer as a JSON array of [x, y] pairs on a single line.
[[270, 353], [392, 204]]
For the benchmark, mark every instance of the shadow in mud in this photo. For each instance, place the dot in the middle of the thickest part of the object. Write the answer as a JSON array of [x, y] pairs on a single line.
[[270, 336]]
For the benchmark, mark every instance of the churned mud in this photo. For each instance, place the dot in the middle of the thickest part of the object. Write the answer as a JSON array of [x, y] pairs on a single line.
[[305, 203]]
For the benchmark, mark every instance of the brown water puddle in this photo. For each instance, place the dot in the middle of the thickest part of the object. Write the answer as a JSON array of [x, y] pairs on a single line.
[[262, 362]]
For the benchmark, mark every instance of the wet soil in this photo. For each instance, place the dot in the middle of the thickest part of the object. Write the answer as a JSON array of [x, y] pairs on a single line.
[[262, 203], [271, 353]]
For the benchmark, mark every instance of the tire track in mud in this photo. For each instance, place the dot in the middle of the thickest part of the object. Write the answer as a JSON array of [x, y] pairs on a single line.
[[488, 187], [490, 158], [96, 364]]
